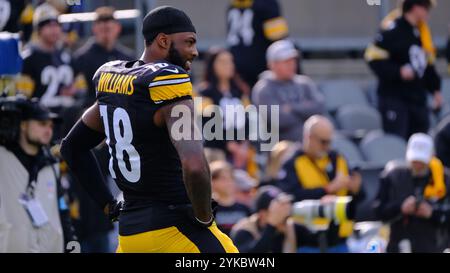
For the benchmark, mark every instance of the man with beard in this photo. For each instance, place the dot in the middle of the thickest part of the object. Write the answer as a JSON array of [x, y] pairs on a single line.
[[34, 216], [165, 180]]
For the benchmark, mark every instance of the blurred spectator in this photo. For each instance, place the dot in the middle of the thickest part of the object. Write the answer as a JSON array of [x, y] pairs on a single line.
[[252, 25], [413, 198], [406, 70], [296, 95], [246, 187], [281, 152], [34, 216], [271, 229], [16, 16], [220, 89], [447, 53], [102, 48], [228, 211], [47, 72], [316, 171], [442, 141], [11, 63]]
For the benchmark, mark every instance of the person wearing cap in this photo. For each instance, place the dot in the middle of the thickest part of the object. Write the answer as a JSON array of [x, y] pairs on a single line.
[[402, 57], [29, 174], [296, 95], [160, 167], [101, 48], [317, 172], [271, 229], [48, 70], [224, 188], [413, 199]]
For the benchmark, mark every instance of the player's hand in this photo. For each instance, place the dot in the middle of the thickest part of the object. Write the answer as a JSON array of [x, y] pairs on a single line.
[[409, 205], [188, 212], [407, 73], [208, 223]]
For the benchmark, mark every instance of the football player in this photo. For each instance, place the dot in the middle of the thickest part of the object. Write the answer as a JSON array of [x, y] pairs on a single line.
[[165, 180]]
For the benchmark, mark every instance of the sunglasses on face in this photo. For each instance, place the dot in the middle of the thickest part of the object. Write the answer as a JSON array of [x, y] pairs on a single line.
[[323, 142]]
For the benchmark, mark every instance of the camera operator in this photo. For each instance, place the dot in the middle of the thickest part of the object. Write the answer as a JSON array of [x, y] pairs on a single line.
[[317, 172], [271, 229], [414, 199], [34, 216]]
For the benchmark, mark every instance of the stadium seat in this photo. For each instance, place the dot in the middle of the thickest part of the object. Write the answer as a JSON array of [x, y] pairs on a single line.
[[342, 92], [379, 148], [370, 186], [358, 119], [370, 89], [332, 119], [348, 149], [445, 88]]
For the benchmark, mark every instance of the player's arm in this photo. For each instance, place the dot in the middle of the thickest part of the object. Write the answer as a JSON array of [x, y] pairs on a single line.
[[76, 148], [196, 174]]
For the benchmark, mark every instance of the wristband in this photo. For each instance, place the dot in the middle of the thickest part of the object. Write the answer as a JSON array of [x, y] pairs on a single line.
[[207, 224]]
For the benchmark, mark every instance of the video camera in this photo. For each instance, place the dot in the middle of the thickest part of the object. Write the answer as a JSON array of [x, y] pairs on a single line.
[[336, 210], [11, 114]]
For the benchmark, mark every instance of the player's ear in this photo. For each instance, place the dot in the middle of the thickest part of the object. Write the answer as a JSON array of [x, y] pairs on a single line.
[[163, 40]]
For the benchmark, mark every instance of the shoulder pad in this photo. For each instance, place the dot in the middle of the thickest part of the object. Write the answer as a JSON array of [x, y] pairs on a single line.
[[169, 82]]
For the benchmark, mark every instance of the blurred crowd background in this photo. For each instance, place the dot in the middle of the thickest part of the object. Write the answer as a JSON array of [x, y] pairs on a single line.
[[364, 133]]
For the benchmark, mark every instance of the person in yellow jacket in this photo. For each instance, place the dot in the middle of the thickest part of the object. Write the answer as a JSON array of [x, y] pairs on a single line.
[[318, 172]]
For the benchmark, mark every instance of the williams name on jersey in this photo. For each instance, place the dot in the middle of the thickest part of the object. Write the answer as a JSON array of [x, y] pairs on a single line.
[[129, 94]]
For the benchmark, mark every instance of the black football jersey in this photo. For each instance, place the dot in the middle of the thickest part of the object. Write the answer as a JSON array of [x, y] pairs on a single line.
[[143, 162], [252, 25], [45, 74]]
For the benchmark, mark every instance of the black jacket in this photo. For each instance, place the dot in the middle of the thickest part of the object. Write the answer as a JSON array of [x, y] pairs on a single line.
[[425, 235], [447, 53], [442, 141], [400, 44]]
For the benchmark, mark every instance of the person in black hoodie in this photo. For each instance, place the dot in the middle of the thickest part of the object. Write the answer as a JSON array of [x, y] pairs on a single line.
[[413, 198], [402, 58]]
